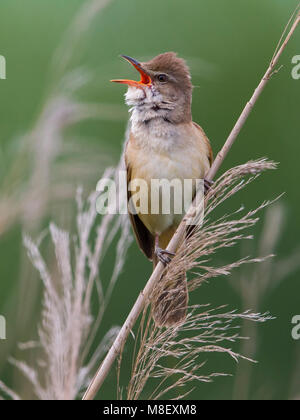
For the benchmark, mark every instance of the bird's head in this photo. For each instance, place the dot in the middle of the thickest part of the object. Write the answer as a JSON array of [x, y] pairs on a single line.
[[164, 90]]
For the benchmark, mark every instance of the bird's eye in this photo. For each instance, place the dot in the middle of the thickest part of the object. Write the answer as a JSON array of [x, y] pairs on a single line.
[[162, 78]]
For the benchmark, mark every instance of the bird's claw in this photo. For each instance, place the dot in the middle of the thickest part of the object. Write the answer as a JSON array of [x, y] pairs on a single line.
[[207, 185], [163, 255]]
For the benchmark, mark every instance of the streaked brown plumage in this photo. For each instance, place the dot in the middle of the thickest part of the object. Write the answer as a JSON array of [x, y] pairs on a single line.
[[163, 143]]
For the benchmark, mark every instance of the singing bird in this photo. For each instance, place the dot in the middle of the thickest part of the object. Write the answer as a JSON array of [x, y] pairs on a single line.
[[163, 143]]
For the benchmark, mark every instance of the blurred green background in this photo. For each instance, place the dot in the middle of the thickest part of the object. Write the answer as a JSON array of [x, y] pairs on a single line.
[[228, 46]]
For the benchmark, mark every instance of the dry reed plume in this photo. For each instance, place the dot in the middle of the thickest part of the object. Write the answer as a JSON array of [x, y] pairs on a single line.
[[68, 327], [205, 330], [254, 284]]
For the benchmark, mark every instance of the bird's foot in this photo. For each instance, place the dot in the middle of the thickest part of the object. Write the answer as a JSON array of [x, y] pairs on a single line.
[[163, 255], [207, 185]]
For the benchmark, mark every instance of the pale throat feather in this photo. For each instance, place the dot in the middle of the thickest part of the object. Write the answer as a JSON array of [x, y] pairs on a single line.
[[149, 120]]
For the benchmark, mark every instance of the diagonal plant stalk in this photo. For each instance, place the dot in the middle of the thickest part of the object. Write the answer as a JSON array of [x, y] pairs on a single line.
[[137, 308]]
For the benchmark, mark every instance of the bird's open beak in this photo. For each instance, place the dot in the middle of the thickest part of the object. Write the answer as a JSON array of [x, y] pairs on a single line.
[[145, 78]]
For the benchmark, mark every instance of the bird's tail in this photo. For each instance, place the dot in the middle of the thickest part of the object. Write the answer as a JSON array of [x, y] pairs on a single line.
[[170, 300]]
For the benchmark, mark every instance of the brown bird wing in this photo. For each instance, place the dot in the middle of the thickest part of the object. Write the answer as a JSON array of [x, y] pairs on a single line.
[[210, 155], [144, 238]]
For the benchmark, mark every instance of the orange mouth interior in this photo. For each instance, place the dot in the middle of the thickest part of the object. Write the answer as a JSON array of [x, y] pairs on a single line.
[[145, 79]]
